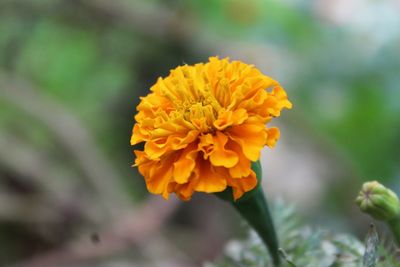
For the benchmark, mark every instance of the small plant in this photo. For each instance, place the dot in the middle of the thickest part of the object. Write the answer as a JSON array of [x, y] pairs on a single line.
[[382, 204], [306, 246]]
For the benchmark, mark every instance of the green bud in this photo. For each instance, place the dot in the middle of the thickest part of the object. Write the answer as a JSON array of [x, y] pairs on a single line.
[[378, 201]]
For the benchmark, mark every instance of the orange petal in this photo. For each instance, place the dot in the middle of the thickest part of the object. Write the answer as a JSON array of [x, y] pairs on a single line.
[[184, 166], [179, 142], [276, 101], [242, 185], [206, 145], [185, 191], [137, 135], [159, 176], [228, 118], [239, 116], [272, 136], [281, 95], [141, 158], [255, 101], [243, 167], [221, 156], [208, 180], [154, 149], [251, 137]]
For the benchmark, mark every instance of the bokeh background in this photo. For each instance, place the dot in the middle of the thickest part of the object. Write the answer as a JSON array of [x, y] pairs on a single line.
[[72, 72]]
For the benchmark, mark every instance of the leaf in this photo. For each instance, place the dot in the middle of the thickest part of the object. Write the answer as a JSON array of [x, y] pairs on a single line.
[[371, 247]]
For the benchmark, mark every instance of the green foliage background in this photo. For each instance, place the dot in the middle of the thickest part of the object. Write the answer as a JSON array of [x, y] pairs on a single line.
[[72, 72]]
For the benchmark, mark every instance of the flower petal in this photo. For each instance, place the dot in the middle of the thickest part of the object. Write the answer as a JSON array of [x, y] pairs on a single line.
[[243, 167], [178, 142], [185, 191], [206, 145], [159, 175], [185, 164], [228, 118], [243, 185], [251, 137], [155, 148], [272, 136], [208, 180], [138, 135], [221, 156]]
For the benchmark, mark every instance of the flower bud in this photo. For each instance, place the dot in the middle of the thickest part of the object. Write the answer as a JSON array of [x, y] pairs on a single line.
[[378, 201]]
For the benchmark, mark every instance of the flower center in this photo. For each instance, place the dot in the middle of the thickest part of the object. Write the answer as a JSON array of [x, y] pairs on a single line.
[[201, 113], [198, 106]]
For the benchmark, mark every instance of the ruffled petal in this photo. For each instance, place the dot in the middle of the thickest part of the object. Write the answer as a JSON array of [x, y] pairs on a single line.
[[251, 137], [208, 180], [138, 135], [228, 118], [206, 145], [154, 149], [184, 191], [185, 164], [221, 156], [158, 176], [272, 136], [243, 185], [243, 167], [179, 142]]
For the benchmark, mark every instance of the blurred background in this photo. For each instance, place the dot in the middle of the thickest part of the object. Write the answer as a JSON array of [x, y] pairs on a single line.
[[72, 71]]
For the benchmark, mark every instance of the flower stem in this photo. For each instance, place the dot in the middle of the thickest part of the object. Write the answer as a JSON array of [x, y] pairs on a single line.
[[253, 207], [395, 227], [255, 211]]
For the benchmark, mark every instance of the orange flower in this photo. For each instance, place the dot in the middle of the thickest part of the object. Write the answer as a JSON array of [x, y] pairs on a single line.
[[203, 125]]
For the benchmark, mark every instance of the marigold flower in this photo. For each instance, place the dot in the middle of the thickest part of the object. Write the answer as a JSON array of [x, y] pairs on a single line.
[[203, 125]]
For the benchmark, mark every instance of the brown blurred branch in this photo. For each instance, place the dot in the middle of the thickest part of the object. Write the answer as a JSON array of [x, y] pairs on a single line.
[[24, 160], [13, 207], [72, 135], [55, 192], [126, 233]]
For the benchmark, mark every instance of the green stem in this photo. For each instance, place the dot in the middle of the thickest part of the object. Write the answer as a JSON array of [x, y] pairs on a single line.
[[255, 211], [395, 227], [253, 207]]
